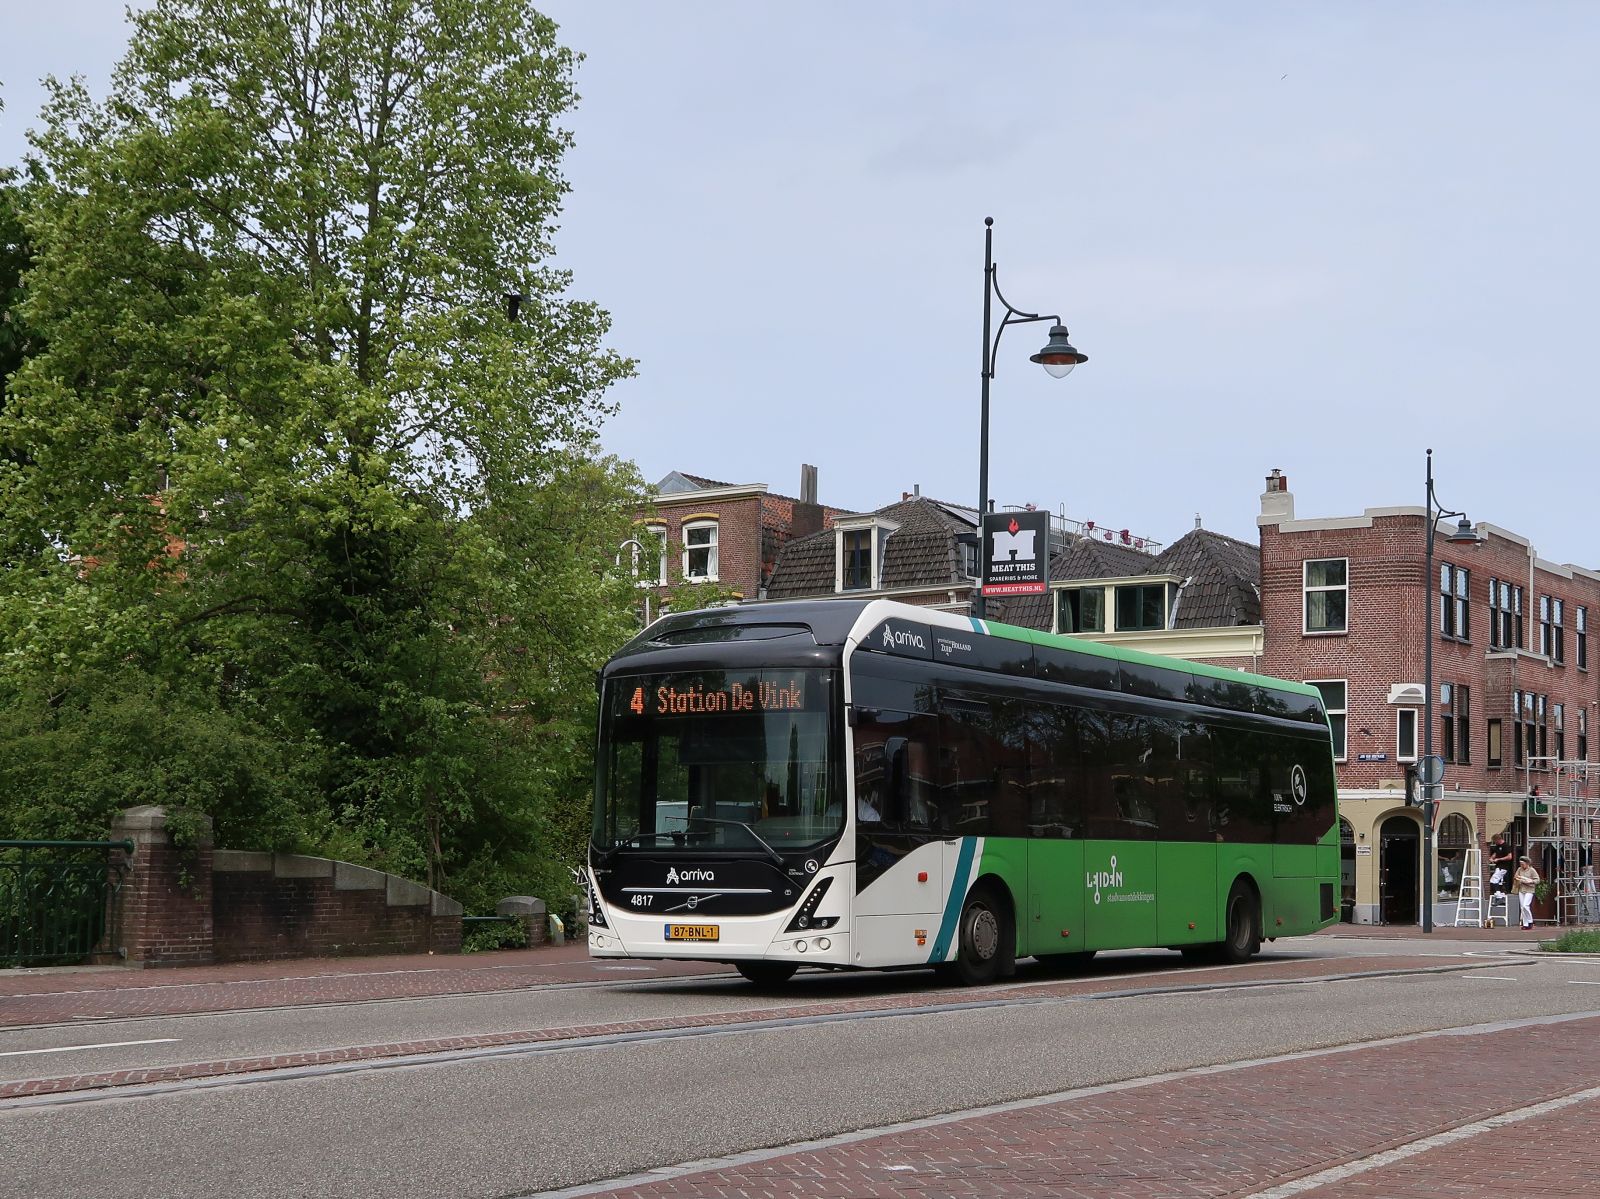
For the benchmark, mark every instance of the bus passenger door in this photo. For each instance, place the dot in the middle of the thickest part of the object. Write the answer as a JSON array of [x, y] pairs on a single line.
[[1053, 920], [1124, 769]]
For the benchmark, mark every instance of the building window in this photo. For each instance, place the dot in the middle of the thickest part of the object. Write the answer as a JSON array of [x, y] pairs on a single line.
[[1455, 835], [1327, 595], [1530, 728], [1454, 614], [649, 553], [1447, 723], [700, 552], [1462, 706], [1405, 735], [1583, 735], [1505, 615], [857, 550], [1496, 752], [1141, 606], [1551, 634], [1580, 634], [1081, 610], [1557, 714], [1334, 699]]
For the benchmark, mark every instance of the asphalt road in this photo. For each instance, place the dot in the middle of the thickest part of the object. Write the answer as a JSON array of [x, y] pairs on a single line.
[[528, 1120]]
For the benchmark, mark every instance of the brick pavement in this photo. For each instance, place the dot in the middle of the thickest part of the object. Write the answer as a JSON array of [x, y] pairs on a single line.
[[1229, 1131]]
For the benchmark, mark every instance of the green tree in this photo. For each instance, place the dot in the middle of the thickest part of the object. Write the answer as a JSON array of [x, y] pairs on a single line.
[[284, 450]]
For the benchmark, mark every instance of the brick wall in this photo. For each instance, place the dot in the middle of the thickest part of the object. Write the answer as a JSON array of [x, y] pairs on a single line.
[[196, 904], [289, 906], [164, 906], [1391, 609]]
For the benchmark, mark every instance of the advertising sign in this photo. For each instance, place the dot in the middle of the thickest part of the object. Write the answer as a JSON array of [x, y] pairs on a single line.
[[1016, 553]]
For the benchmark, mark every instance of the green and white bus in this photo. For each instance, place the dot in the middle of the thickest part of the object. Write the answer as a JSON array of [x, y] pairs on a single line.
[[865, 784]]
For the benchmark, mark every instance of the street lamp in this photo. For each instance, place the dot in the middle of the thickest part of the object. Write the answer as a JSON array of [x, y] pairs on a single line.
[[1058, 358], [638, 552], [1432, 772]]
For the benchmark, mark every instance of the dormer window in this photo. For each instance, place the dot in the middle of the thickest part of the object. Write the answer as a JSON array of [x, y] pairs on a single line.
[[859, 545], [857, 550]]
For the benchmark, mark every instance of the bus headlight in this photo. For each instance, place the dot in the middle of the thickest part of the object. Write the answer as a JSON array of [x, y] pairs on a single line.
[[807, 916]]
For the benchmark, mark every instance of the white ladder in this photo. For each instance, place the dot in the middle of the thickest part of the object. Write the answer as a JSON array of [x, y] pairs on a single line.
[[1469, 903], [1505, 909]]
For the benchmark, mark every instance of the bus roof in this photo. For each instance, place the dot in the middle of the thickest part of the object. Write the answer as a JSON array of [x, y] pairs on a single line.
[[844, 621]]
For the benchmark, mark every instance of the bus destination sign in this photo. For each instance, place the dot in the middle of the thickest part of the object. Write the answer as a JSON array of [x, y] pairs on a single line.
[[780, 693]]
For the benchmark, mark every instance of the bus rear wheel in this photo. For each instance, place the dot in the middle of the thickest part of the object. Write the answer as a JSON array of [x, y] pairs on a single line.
[[1243, 938], [766, 974], [981, 952]]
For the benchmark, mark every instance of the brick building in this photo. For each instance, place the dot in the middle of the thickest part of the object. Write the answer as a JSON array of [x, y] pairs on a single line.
[[698, 530], [1345, 607]]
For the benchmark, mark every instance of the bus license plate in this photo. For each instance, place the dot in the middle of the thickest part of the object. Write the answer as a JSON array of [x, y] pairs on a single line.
[[692, 932]]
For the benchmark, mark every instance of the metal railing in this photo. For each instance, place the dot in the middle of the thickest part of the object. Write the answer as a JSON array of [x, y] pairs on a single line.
[[54, 899]]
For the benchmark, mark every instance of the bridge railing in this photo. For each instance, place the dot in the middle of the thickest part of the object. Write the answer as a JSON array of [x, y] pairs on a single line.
[[55, 899]]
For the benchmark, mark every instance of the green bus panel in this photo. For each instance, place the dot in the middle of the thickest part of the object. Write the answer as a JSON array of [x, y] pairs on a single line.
[[1294, 861], [1119, 903], [1187, 871], [1054, 921]]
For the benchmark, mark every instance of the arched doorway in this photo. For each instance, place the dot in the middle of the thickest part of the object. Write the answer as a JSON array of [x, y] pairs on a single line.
[[1399, 847], [1347, 872]]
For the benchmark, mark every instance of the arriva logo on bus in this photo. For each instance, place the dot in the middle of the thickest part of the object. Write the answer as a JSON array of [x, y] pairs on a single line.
[[676, 876], [902, 639]]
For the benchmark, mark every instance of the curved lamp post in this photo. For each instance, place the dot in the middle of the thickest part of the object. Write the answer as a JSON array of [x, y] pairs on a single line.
[[1462, 534], [1058, 357], [638, 552]]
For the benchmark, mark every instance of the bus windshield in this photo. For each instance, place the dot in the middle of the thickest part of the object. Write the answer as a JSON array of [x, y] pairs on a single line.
[[724, 759]]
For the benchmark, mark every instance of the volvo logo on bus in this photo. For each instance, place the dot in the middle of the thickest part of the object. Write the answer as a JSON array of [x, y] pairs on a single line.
[[676, 876]]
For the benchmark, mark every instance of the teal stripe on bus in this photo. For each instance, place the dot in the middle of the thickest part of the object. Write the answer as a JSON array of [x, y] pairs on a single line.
[[979, 626], [953, 901]]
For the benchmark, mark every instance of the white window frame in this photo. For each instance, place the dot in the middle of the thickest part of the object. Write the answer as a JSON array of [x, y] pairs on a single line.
[[648, 535], [1305, 596], [880, 528], [712, 562], [1401, 717], [1341, 753]]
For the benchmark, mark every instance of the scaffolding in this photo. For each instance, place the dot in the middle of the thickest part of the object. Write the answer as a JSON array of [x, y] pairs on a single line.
[[1564, 847]]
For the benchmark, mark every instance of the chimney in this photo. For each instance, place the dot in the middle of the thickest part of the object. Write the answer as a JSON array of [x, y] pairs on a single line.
[[807, 518], [1277, 501]]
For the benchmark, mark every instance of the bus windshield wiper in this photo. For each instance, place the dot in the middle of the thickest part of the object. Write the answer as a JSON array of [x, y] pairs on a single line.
[[771, 853]]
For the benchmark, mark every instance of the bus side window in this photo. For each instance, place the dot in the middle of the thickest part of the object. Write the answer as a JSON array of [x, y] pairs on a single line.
[[894, 753], [1055, 805]]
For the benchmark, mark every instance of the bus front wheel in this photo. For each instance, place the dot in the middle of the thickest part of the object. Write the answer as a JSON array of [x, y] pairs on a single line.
[[766, 974], [983, 931], [1243, 925]]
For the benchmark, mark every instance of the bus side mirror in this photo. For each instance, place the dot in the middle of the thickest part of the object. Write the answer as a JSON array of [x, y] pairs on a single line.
[[896, 800]]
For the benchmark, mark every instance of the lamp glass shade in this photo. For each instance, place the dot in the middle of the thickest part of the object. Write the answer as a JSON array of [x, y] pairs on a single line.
[[1059, 355]]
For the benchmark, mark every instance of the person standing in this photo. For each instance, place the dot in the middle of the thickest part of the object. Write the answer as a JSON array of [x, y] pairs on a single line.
[[1526, 878], [1501, 865]]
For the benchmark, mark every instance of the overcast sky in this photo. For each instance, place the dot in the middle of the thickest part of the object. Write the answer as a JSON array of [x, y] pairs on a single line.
[[1320, 237]]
